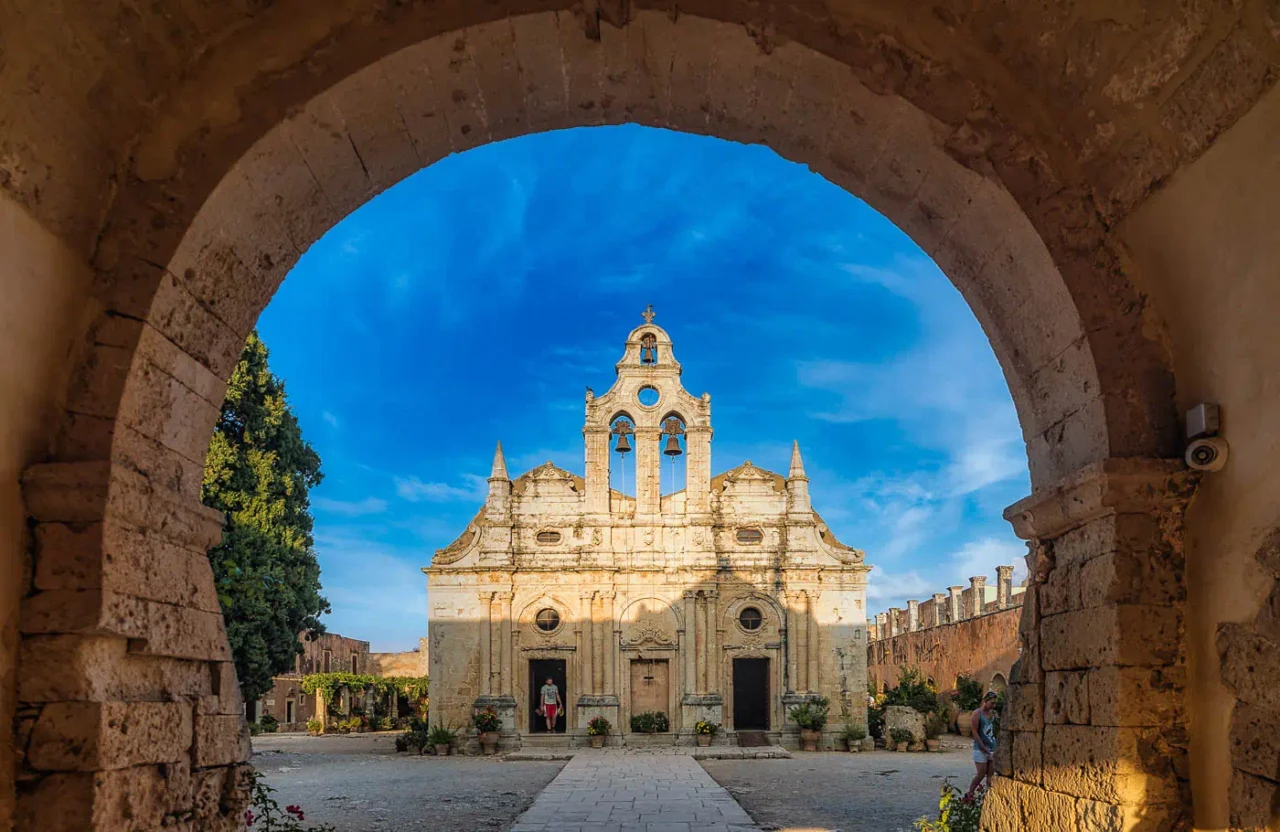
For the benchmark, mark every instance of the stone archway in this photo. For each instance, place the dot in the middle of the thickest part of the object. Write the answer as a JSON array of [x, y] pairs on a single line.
[[220, 194]]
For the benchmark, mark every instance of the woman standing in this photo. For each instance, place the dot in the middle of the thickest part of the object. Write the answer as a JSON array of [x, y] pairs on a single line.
[[983, 728]]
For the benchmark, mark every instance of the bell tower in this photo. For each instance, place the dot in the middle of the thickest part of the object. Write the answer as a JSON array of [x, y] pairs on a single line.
[[649, 416]]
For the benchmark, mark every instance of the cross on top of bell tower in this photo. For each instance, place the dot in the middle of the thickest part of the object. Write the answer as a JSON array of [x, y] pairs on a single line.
[[647, 314]]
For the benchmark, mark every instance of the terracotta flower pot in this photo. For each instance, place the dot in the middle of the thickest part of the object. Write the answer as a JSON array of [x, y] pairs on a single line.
[[933, 745], [489, 741], [964, 723], [902, 746], [704, 740], [809, 739], [442, 750], [597, 740]]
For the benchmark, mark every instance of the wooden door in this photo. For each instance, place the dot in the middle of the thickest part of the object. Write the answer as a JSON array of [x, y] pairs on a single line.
[[650, 688]]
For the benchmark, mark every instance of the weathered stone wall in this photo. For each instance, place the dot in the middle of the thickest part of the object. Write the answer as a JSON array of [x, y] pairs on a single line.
[[980, 647], [408, 663], [330, 652]]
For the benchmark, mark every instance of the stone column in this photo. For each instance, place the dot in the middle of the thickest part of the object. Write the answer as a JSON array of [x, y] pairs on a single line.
[[977, 595], [584, 643], [895, 621], [956, 607], [913, 616], [882, 624], [597, 644], [610, 652], [486, 643], [688, 656], [698, 469], [597, 465], [648, 469], [703, 639], [713, 641], [1004, 586], [814, 641], [795, 621], [939, 609], [505, 630], [1095, 714]]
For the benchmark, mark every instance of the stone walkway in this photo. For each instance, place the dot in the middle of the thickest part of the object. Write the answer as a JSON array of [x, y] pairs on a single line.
[[634, 791]]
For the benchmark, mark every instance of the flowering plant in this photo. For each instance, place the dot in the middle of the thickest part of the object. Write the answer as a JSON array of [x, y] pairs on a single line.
[[265, 815], [598, 726], [487, 720], [704, 727], [956, 812]]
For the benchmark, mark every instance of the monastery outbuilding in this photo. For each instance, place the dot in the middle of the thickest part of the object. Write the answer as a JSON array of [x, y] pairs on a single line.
[[728, 600]]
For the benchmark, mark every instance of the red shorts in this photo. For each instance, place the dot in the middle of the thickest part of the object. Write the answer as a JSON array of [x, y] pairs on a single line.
[[549, 711]]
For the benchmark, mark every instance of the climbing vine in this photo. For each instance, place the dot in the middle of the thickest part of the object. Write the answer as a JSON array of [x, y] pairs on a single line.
[[413, 688]]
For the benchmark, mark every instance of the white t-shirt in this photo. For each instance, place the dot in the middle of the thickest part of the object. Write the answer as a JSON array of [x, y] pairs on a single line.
[[550, 693]]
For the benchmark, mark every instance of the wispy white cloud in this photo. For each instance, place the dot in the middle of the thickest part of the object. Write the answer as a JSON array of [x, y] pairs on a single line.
[[981, 557], [413, 489], [350, 508], [330, 419], [377, 591]]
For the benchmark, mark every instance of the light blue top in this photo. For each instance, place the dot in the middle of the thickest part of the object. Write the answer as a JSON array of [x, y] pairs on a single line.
[[987, 730]]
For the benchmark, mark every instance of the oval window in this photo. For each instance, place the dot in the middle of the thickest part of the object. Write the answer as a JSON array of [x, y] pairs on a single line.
[[548, 537], [547, 620], [648, 396], [750, 536], [750, 618]]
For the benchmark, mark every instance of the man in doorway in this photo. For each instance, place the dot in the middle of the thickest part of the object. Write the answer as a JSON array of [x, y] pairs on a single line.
[[983, 728], [550, 699]]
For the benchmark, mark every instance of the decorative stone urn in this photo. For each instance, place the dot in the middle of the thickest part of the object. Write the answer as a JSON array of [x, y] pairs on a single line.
[[489, 741], [933, 744], [704, 740], [964, 723], [597, 740], [809, 739]]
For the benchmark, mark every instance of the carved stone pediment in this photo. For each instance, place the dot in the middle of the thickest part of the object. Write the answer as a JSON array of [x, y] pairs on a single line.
[[649, 636]]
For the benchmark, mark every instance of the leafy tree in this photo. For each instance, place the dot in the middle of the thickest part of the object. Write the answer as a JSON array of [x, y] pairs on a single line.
[[258, 472]]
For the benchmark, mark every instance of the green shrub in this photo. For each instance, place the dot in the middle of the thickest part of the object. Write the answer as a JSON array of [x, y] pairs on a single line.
[[934, 724], [914, 691], [440, 735], [314, 726], [650, 722], [854, 733], [875, 721], [968, 693], [254, 729], [956, 813], [811, 715], [269, 724], [418, 736], [900, 736]]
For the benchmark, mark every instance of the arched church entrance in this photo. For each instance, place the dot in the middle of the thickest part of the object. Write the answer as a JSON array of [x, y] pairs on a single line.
[[220, 193]]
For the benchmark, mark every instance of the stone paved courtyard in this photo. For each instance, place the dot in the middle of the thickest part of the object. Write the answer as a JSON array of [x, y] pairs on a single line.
[[360, 783]]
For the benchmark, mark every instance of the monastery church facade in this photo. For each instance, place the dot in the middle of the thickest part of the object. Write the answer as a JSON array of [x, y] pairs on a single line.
[[728, 601]]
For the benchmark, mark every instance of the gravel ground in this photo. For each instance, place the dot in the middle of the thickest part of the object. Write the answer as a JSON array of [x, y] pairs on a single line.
[[880, 791], [359, 782]]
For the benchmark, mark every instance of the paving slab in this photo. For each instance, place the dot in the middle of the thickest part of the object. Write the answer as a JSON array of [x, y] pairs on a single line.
[[620, 790]]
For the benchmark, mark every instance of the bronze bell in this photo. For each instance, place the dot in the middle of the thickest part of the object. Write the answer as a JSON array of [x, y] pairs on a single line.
[[673, 446], [624, 444]]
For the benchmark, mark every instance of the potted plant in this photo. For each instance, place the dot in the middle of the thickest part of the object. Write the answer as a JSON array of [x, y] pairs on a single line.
[[811, 716], [597, 729], [488, 724], [315, 727], [704, 731], [901, 738], [441, 738], [934, 724], [650, 722], [853, 735]]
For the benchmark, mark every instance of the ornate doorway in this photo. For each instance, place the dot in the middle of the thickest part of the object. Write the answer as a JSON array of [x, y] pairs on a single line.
[[650, 685], [539, 671]]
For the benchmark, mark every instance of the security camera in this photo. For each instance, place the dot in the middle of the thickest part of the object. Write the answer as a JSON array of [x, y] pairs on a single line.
[[1207, 454]]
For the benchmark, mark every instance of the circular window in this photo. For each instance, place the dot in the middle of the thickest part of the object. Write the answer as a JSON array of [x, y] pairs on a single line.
[[648, 396], [547, 620], [750, 618]]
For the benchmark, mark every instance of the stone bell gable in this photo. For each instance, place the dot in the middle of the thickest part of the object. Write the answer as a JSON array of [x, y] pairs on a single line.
[[727, 600]]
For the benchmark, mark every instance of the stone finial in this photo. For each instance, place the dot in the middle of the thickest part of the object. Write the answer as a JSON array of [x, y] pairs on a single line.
[[913, 616], [499, 471], [977, 594], [939, 609], [797, 464], [957, 608], [1004, 586]]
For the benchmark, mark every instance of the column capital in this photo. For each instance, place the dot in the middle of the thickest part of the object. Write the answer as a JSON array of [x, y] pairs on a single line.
[[1118, 486]]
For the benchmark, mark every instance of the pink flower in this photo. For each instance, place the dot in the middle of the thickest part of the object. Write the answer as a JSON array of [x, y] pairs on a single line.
[[296, 811], [249, 817]]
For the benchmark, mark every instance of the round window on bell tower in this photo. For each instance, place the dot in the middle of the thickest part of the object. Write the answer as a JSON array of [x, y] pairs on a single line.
[[648, 396], [547, 620], [750, 619]]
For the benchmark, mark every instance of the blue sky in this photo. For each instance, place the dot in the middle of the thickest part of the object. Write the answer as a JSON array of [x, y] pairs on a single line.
[[476, 300]]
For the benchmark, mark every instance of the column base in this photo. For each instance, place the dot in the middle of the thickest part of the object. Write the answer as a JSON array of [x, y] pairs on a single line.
[[592, 705], [508, 736], [697, 707]]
